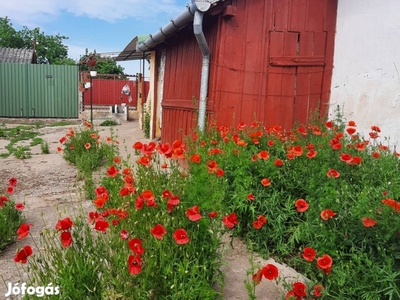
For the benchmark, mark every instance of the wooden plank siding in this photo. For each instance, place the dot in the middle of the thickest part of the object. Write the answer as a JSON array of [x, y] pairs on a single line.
[[108, 92], [271, 62]]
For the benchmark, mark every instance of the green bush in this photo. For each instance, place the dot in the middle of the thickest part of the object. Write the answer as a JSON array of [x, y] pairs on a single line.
[[350, 188], [122, 253], [10, 219]]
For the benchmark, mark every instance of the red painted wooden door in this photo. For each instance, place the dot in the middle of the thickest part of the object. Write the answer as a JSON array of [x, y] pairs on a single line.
[[300, 56]]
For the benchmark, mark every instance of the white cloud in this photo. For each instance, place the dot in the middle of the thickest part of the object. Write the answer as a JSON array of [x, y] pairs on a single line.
[[30, 13]]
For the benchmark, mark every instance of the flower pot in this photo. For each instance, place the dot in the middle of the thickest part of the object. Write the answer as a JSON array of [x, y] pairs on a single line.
[[93, 73]]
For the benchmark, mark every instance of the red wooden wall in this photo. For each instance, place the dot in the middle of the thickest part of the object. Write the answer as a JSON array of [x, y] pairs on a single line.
[[271, 62], [108, 92]]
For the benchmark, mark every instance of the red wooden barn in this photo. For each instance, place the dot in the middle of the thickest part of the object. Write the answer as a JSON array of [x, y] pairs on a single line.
[[241, 60]]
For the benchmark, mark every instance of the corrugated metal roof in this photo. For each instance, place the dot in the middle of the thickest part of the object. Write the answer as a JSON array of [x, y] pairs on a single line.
[[129, 53], [11, 55]]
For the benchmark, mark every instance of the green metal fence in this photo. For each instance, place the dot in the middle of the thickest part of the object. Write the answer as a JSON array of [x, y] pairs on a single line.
[[38, 91]]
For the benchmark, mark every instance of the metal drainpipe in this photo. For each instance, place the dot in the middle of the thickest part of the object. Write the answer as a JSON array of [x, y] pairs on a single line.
[[201, 40]]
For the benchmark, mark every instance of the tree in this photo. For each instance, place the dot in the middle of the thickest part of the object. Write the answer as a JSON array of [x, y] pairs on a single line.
[[103, 65], [49, 48]]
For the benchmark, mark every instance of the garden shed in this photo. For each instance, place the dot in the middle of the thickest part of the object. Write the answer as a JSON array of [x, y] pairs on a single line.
[[238, 60]]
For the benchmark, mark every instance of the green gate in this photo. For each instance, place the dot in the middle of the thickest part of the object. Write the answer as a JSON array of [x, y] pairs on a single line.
[[38, 91]]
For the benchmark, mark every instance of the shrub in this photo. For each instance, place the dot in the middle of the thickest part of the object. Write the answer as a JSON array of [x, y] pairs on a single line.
[[142, 240], [10, 216], [319, 186]]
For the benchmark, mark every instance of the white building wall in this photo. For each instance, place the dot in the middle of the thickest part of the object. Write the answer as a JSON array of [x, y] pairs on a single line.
[[366, 74]]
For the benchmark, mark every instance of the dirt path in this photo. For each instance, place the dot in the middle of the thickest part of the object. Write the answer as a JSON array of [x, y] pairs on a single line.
[[47, 184]]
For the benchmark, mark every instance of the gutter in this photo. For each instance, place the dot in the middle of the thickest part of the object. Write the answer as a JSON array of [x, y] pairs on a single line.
[[194, 12], [205, 69]]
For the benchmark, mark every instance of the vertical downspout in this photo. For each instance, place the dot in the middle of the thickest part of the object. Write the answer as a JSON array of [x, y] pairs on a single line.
[[201, 40]]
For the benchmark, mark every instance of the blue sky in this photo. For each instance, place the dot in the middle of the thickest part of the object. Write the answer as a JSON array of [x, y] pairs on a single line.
[[101, 25]]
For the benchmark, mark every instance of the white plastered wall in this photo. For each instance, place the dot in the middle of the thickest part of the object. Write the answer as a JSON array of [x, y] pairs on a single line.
[[366, 74]]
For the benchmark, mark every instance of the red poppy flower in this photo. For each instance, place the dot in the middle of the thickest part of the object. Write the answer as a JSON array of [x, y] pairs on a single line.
[[309, 254], [351, 123], [10, 190], [383, 147], [173, 201], [112, 172], [351, 130], [262, 219], [93, 216], [298, 151], [18, 206], [325, 263], [301, 205], [135, 245], [250, 197], [360, 146], [329, 124], [137, 145], [265, 182], [376, 155], [193, 213], [64, 224], [270, 271], [392, 203], [126, 190], [158, 231], [134, 264], [368, 222], [3, 199], [318, 290], [270, 143], [66, 239], [345, 157], [230, 221], [312, 153], [99, 202], [278, 162], [373, 135], [87, 145], [300, 289], [212, 166], [333, 173], [257, 224], [144, 161], [124, 234], [181, 237], [195, 158], [263, 155], [101, 225], [220, 172], [12, 181], [23, 254], [23, 230], [101, 191], [254, 158], [165, 149], [326, 214], [148, 149], [292, 296], [375, 128], [257, 277], [336, 146], [356, 160]]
